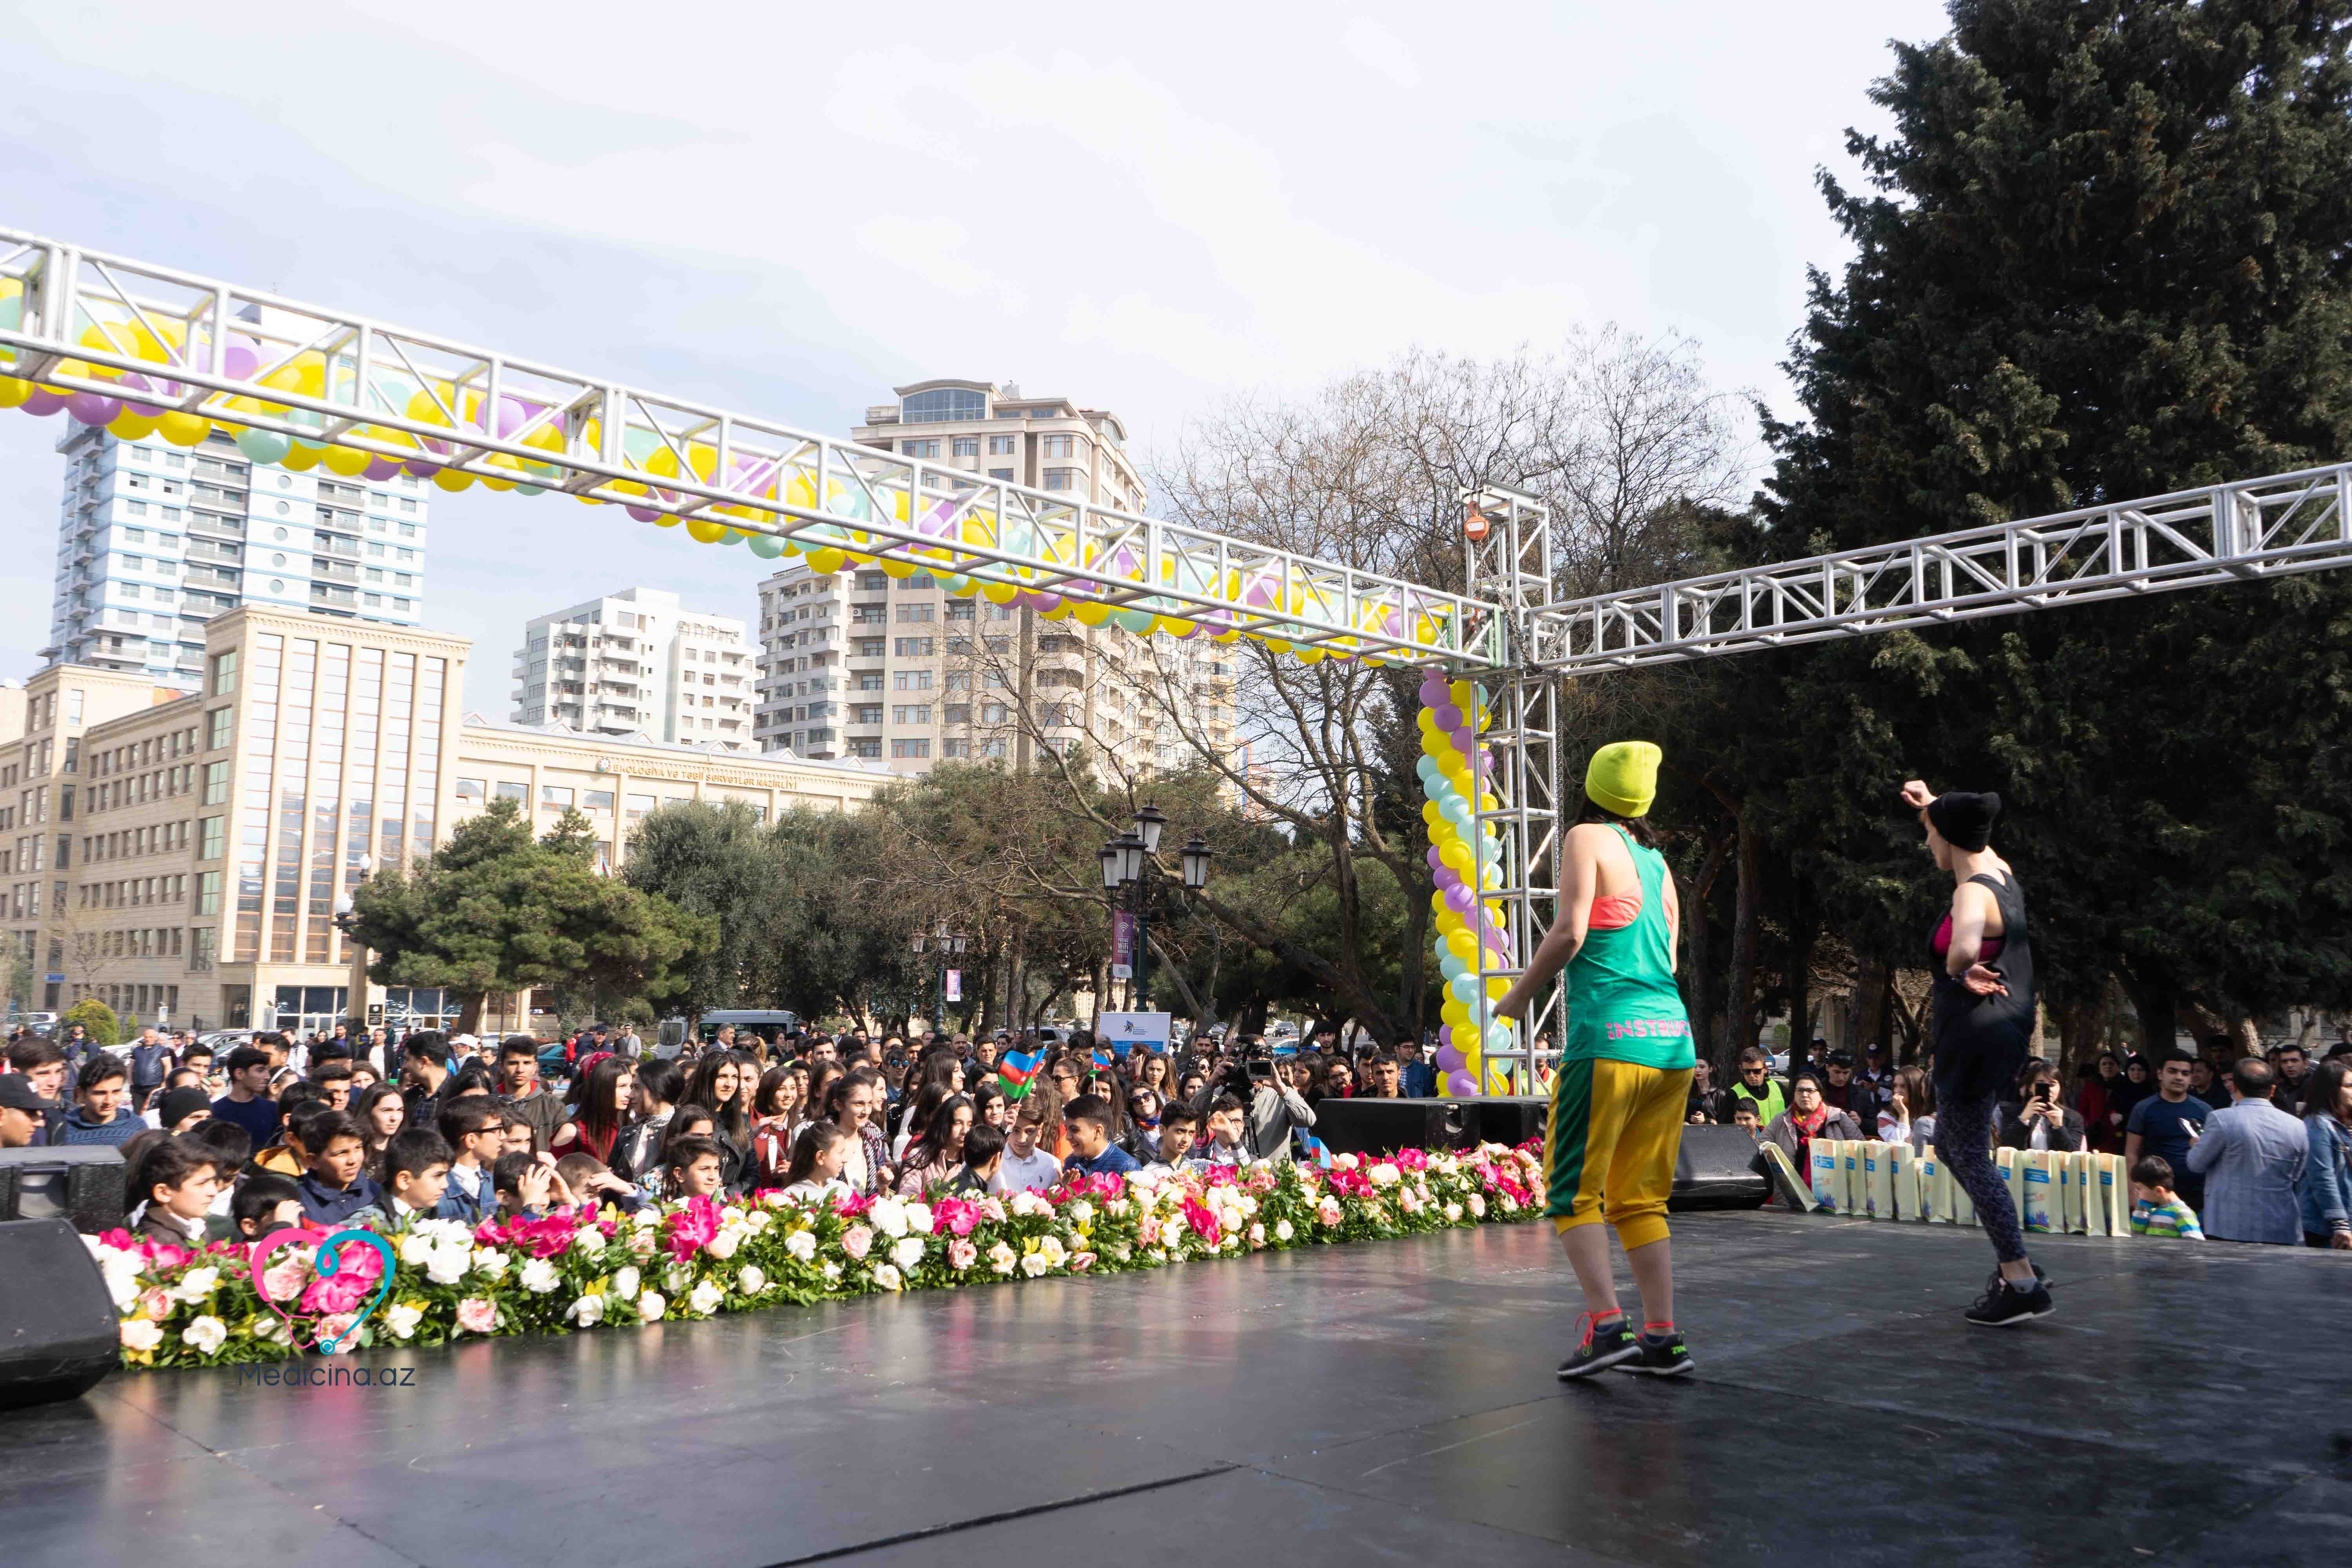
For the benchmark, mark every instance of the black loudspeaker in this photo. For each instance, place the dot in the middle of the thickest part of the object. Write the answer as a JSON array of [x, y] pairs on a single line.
[[1382, 1126], [81, 1182], [1718, 1168], [59, 1333], [1510, 1118]]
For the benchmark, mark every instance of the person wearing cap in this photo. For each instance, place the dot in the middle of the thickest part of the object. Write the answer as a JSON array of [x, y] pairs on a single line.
[[1982, 1027], [1618, 1095], [24, 1112]]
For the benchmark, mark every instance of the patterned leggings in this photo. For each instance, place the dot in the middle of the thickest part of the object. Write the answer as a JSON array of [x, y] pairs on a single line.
[[1964, 1143]]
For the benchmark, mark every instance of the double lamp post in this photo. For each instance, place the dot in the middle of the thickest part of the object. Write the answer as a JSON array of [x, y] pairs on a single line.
[[1132, 878], [945, 944]]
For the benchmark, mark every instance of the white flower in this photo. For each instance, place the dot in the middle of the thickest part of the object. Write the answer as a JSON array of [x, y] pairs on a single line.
[[539, 1277], [678, 1281], [447, 1265], [887, 1277], [802, 1245], [1080, 1211], [1477, 1206], [1000, 1258], [907, 1251], [1034, 1264], [704, 1299], [755, 1220], [121, 1272], [1156, 1255], [414, 1248], [918, 1219], [650, 1306], [647, 1218], [1282, 1231], [888, 1215], [1257, 1235], [205, 1335], [832, 1272], [402, 1320], [1051, 1249], [196, 1285], [1452, 1214], [1344, 1162], [753, 1279], [490, 1261], [1382, 1174], [589, 1310], [1026, 1204], [626, 1282], [1248, 1205], [141, 1334], [722, 1245], [589, 1242]]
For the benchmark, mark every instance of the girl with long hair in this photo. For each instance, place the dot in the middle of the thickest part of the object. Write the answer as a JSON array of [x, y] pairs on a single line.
[[606, 1091], [719, 1085], [380, 1112], [940, 1149]]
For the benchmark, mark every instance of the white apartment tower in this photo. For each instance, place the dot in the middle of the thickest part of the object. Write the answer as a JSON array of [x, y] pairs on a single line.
[[153, 541], [636, 662], [860, 665]]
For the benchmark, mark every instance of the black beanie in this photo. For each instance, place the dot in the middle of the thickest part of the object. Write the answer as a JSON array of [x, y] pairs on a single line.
[[1965, 820], [183, 1101]]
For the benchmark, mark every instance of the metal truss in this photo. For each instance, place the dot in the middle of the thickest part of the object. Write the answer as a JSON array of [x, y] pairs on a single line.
[[2189, 539], [260, 361]]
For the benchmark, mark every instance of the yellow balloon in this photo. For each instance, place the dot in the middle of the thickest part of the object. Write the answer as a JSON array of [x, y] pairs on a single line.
[[1463, 943], [348, 461], [1430, 813], [188, 429], [131, 426], [825, 562], [902, 569], [1499, 987], [707, 532], [1438, 904], [1090, 613], [454, 479], [302, 459], [998, 592], [14, 391]]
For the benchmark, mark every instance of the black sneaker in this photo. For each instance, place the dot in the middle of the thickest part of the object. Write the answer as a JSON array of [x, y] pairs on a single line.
[[2003, 1304], [1601, 1348], [1663, 1356]]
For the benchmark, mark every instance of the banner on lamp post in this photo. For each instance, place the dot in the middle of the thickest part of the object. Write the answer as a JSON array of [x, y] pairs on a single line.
[[1122, 945], [955, 985]]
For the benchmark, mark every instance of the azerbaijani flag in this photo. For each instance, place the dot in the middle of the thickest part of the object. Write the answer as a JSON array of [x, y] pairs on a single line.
[[1016, 1068], [1317, 1148], [1104, 1056]]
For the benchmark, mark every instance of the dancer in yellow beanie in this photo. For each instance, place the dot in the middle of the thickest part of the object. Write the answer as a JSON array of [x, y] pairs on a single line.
[[1625, 1069]]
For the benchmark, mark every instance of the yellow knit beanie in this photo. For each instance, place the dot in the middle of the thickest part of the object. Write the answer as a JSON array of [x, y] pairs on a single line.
[[1624, 777]]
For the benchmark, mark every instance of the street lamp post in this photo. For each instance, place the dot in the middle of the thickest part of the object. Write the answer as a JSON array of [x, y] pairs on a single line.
[[945, 943], [1131, 867], [355, 995]]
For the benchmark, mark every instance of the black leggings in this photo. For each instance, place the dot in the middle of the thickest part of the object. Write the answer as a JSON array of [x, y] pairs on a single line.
[[1964, 1143]]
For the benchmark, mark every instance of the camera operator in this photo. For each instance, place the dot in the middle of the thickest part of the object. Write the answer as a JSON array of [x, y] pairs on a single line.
[[2035, 1120], [1269, 1089]]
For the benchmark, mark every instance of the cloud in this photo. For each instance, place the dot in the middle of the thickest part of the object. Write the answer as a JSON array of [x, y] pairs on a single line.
[[1377, 48]]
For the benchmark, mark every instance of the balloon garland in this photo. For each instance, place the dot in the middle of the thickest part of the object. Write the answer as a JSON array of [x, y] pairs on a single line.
[[1465, 857], [1251, 603]]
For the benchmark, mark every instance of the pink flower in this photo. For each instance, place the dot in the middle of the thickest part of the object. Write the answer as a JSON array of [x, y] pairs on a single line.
[[162, 1255], [961, 1255], [955, 1215], [156, 1303], [1203, 1219], [857, 1241], [1148, 1233], [693, 1228], [476, 1316], [1081, 1262], [334, 1328], [350, 1285], [283, 1281]]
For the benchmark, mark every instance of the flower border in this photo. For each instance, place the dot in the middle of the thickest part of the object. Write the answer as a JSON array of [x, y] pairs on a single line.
[[573, 1269]]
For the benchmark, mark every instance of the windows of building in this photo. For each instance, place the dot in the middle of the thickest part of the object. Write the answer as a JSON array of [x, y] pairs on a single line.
[[1061, 478], [1056, 446], [905, 749], [909, 615], [967, 446], [913, 647], [909, 680], [910, 713], [919, 449], [943, 404]]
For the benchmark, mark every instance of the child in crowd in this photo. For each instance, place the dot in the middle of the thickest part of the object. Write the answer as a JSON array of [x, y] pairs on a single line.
[[693, 1167], [178, 1179], [333, 1187], [983, 1156], [582, 1178], [1179, 1129], [818, 1155], [685, 1121], [2156, 1210], [521, 1183], [476, 1130], [1026, 1167], [1092, 1154], [265, 1204], [416, 1175], [1225, 1127]]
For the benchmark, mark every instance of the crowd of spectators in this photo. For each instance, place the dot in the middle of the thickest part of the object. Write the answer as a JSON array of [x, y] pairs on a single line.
[[2259, 1155]]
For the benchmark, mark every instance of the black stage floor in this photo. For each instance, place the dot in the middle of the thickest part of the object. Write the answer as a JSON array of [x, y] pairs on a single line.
[[1385, 1403]]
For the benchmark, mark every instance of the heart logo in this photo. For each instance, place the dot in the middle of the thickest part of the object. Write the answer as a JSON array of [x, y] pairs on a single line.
[[326, 1260]]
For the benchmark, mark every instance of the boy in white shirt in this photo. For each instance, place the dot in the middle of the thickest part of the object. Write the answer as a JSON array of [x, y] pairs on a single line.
[[1025, 1167]]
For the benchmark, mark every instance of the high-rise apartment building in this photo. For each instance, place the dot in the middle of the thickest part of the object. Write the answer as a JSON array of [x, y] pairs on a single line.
[[153, 541], [635, 663], [860, 665]]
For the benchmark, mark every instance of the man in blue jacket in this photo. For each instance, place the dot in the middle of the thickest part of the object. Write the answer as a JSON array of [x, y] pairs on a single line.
[[101, 1113]]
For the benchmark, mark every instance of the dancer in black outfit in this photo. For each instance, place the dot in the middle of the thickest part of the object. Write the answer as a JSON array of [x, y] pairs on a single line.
[[1983, 1026]]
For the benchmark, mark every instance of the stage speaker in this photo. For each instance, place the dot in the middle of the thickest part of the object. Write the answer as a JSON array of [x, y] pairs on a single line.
[[59, 1333], [1510, 1118], [1718, 1168], [81, 1182], [1383, 1126]]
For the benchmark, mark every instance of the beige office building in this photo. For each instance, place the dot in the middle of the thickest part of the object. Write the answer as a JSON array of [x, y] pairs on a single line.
[[191, 854], [858, 665]]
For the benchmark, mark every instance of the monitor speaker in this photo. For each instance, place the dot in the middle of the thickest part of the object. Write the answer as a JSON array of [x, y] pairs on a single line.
[[1511, 1119], [80, 1182], [1718, 1168], [58, 1332], [1383, 1126]]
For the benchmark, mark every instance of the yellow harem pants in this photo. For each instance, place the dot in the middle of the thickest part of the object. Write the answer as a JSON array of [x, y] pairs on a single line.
[[1609, 1152]]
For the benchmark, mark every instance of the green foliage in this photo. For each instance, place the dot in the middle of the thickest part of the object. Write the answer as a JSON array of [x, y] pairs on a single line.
[[2107, 252], [493, 911], [713, 861], [97, 1017]]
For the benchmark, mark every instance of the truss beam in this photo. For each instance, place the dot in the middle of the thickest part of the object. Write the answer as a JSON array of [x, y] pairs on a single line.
[[320, 376], [2261, 528]]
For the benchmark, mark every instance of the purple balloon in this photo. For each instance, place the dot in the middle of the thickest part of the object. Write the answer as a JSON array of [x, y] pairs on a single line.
[[645, 514], [93, 408], [1461, 1084], [1449, 717], [1449, 1059], [1436, 865], [1447, 879], [43, 403], [1461, 898], [240, 362], [382, 467], [1464, 740]]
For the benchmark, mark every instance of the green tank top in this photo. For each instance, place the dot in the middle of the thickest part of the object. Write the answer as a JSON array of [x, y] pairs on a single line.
[[1622, 1003]]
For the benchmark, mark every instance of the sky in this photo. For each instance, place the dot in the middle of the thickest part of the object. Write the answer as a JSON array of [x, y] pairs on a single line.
[[789, 211]]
